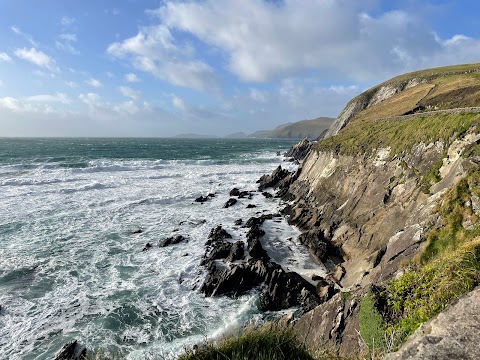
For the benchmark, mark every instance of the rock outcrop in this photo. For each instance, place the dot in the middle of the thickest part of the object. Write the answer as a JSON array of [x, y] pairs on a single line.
[[72, 351], [232, 271], [299, 151], [453, 334]]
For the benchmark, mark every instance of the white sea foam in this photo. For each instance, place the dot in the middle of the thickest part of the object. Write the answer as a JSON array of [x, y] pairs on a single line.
[[70, 266]]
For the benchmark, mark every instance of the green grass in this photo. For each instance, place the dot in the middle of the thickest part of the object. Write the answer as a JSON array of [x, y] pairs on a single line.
[[362, 138], [262, 344], [371, 325]]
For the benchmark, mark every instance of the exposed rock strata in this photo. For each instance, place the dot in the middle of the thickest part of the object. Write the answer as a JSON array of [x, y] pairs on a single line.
[[368, 215]]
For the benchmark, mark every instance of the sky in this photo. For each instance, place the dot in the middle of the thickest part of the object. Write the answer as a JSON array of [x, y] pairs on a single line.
[[161, 68]]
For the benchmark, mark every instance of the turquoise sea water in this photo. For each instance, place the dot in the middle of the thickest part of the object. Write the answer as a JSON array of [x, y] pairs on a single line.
[[71, 267]]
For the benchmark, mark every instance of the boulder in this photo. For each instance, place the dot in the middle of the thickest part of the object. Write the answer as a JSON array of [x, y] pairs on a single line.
[[238, 222], [230, 202], [267, 195], [147, 246], [272, 180], [234, 192], [258, 220], [172, 240], [202, 199], [251, 206]]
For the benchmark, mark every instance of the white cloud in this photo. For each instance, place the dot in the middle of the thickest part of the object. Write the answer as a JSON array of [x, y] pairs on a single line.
[[94, 82], [10, 103], [36, 57], [132, 78], [65, 42], [91, 99], [154, 50], [48, 98], [28, 37], [178, 103], [67, 21], [37, 104], [265, 40], [5, 57], [129, 92]]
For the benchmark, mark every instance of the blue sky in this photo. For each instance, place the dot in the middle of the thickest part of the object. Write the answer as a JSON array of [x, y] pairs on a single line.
[[160, 68]]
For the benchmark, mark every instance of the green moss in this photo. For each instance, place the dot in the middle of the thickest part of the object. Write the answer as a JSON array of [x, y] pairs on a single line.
[[371, 324], [401, 136]]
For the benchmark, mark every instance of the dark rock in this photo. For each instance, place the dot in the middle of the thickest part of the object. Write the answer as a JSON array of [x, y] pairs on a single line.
[[299, 151], [251, 206], [255, 232], [267, 195], [230, 202], [138, 231], [317, 245], [172, 240], [233, 281], [218, 234], [236, 252], [211, 195], [238, 222], [285, 290], [202, 199], [256, 250], [272, 180], [147, 247], [218, 250], [234, 192], [258, 220], [245, 194], [72, 351]]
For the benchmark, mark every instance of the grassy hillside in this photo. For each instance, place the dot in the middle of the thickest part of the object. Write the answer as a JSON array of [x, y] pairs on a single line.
[[310, 129], [423, 92]]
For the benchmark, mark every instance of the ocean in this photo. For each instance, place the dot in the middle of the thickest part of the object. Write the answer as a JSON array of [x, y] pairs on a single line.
[[71, 259]]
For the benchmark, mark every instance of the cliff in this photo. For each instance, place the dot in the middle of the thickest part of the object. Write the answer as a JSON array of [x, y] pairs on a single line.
[[394, 192]]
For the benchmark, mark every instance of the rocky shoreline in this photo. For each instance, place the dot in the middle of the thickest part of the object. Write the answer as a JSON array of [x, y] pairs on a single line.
[[233, 268]]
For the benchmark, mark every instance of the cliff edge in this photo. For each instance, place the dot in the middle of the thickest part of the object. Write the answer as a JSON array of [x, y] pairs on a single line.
[[393, 194]]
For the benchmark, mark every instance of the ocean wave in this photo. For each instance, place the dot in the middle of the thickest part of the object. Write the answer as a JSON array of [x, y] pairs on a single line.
[[94, 186], [22, 182]]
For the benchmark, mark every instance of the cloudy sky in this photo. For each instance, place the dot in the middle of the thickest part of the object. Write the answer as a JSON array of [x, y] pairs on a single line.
[[159, 68]]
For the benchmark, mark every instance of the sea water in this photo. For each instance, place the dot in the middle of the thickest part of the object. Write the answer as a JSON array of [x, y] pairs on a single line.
[[71, 259]]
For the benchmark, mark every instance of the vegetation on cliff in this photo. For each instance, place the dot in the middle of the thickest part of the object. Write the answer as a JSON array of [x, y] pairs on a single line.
[[267, 343], [448, 267]]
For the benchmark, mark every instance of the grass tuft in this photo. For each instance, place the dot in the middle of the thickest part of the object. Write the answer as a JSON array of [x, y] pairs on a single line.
[[262, 344], [371, 325]]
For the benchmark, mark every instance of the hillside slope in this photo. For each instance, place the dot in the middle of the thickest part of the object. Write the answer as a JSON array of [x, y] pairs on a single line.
[[393, 193], [310, 129]]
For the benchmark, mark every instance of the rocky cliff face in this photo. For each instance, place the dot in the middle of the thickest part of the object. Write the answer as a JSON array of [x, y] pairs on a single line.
[[374, 211]]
